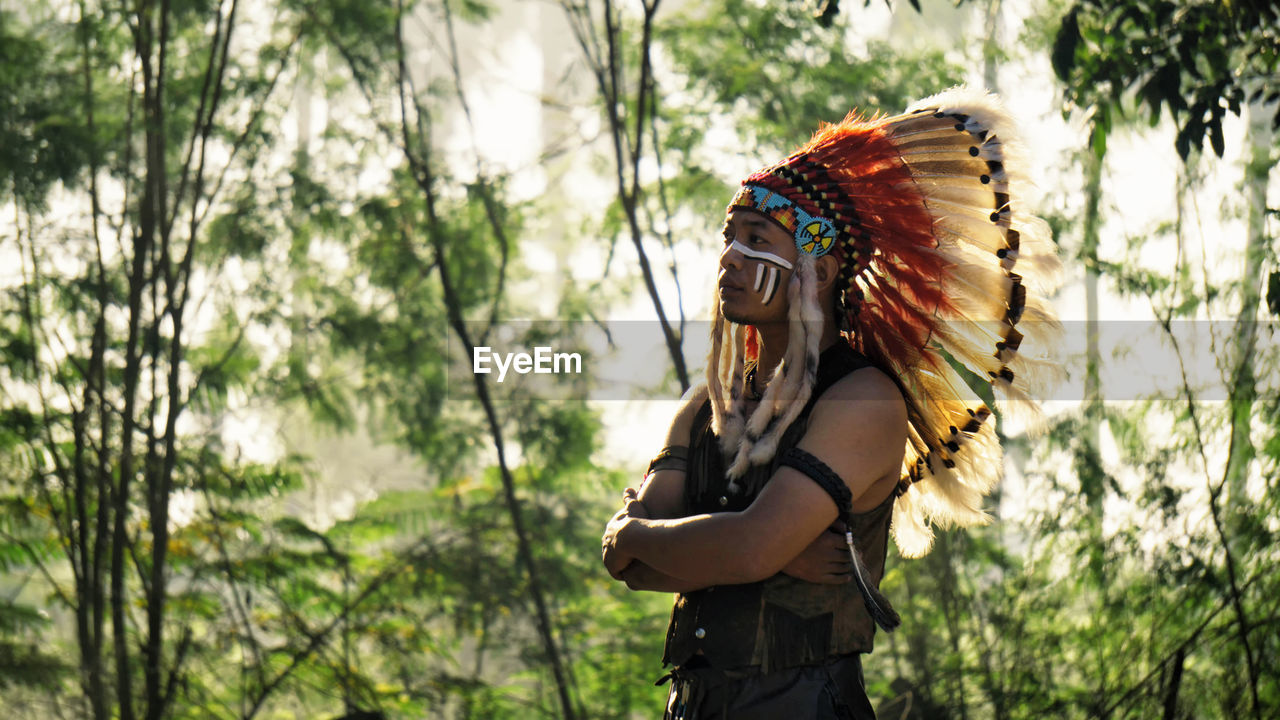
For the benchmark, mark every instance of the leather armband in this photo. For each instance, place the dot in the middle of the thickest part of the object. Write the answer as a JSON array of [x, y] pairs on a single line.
[[672, 457], [877, 604], [823, 475]]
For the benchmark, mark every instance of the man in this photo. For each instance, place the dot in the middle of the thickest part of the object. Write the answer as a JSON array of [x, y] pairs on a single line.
[[852, 271]]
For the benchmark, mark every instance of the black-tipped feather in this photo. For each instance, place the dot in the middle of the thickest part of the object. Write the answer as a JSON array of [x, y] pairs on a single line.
[[877, 604]]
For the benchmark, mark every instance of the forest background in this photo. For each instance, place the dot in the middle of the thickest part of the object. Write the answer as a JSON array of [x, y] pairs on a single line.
[[246, 249]]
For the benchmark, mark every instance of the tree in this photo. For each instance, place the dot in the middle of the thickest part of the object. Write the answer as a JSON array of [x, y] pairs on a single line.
[[1201, 60], [138, 243]]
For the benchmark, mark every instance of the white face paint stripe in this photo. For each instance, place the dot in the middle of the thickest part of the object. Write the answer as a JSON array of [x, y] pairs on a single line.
[[773, 284], [759, 255], [759, 277]]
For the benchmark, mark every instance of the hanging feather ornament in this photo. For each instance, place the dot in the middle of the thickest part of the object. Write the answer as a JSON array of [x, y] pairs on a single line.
[[942, 267], [877, 604]]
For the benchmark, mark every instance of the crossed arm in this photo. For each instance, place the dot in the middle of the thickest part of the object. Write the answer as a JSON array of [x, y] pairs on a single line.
[[690, 553], [858, 428]]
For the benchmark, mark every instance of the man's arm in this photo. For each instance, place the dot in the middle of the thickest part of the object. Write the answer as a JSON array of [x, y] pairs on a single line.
[[824, 561], [858, 428], [661, 496], [662, 493], [639, 576]]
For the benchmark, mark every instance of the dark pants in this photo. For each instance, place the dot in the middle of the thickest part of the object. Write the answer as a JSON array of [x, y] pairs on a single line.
[[833, 690]]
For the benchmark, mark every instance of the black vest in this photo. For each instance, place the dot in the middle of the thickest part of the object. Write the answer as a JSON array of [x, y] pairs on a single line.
[[781, 621]]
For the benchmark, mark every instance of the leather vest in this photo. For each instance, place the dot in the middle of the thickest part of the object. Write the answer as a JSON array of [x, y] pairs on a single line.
[[781, 621]]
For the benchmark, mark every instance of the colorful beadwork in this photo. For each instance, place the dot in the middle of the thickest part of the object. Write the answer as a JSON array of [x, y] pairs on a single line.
[[814, 235]]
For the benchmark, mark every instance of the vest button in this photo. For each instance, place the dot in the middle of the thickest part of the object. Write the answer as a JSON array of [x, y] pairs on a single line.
[[700, 633], [723, 501]]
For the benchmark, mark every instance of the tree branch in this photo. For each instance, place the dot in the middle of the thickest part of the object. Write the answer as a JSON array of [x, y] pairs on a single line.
[[317, 639], [422, 174]]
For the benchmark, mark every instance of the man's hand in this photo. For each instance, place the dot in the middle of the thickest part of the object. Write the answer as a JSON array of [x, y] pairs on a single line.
[[825, 561], [615, 559], [631, 504]]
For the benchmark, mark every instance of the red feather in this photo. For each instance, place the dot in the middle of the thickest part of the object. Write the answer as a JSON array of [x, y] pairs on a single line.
[[894, 232]]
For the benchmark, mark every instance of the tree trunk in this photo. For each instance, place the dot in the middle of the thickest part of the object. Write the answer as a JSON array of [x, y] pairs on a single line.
[[1091, 484], [991, 46], [1243, 389], [423, 176], [608, 67]]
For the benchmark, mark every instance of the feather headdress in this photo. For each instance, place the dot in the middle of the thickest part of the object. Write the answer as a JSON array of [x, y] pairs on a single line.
[[942, 267]]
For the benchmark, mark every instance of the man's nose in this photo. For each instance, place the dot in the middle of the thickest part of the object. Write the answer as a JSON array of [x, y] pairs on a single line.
[[730, 257]]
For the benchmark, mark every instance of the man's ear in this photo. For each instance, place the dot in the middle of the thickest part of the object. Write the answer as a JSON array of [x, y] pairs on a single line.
[[826, 270]]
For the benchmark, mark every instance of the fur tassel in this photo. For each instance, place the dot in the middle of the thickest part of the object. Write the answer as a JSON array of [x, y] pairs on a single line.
[[802, 364], [792, 383], [715, 382]]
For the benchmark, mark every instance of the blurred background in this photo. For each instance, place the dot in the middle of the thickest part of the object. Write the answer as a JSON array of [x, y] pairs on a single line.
[[247, 250]]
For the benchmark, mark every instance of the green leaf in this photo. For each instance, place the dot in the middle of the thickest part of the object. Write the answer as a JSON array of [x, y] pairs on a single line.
[[1065, 44], [1215, 135]]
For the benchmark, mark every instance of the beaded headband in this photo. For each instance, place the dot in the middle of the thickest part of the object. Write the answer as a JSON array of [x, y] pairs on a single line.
[[814, 235]]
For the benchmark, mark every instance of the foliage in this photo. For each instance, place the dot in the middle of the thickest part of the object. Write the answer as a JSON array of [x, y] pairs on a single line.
[[767, 72], [40, 143], [1199, 59], [138, 277], [774, 75]]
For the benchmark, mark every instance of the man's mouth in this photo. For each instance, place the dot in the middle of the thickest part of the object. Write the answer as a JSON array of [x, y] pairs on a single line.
[[724, 282]]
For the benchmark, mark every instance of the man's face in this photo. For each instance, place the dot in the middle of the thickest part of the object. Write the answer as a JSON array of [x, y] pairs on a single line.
[[755, 267]]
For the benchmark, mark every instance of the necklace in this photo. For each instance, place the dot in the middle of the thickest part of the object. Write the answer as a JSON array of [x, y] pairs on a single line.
[[749, 384]]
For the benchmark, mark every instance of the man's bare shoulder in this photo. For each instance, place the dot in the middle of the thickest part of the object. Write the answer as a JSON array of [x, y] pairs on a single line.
[[682, 425], [859, 429], [868, 390]]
